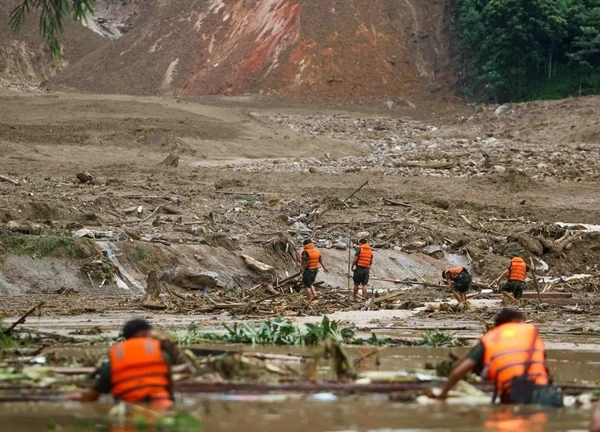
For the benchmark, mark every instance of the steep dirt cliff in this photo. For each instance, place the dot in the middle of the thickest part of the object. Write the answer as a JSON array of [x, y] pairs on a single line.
[[25, 60], [401, 50]]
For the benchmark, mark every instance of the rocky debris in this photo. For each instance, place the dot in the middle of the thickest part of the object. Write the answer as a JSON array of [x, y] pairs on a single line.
[[407, 148], [85, 177], [501, 110], [24, 227], [171, 161], [189, 279]]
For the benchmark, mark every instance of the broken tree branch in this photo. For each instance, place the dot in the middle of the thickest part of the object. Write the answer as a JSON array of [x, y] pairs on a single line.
[[21, 320], [9, 180], [356, 191]]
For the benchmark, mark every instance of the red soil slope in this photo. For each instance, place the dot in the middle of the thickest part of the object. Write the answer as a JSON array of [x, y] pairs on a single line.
[[393, 49]]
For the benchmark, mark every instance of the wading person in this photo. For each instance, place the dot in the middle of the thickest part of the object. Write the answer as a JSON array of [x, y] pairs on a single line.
[[512, 355], [459, 280], [363, 259], [515, 273], [595, 422], [311, 259], [138, 370]]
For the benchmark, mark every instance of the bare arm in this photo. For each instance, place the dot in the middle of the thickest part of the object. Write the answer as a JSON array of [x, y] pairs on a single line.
[[323, 265], [456, 375], [595, 423]]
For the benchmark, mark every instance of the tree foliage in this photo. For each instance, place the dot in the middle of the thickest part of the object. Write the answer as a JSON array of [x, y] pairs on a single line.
[[53, 14], [525, 49]]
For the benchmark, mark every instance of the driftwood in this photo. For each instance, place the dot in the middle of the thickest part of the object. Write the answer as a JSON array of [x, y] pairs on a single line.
[[438, 165], [531, 295], [171, 160], [257, 266], [356, 191], [396, 203], [21, 320], [288, 280], [9, 180]]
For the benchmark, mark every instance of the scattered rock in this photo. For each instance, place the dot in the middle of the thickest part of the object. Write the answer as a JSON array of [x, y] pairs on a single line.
[[25, 227], [85, 177], [189, 279], [171, 161], [530, 244], [84, 232], [434, 251], [502, 109]]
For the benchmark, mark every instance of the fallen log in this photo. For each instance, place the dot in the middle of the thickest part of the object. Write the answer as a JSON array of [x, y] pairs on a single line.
[[442, 165], [257, 266], [9, 180], [288, 279], [21, 320], [532, 295], [396, 203]]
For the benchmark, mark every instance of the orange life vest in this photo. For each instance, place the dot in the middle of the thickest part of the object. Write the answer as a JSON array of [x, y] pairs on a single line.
[[138, 371], [365, 256], [314, 256], [453, 272], [506, 349], [518, 270]]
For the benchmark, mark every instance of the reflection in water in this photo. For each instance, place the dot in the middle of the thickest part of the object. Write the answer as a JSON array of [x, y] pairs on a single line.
[[506, 420]]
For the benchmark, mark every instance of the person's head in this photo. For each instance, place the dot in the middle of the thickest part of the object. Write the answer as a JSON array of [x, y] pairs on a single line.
[[508, 316], [307, 242], [137, 327], [362, 241], [513, 255]]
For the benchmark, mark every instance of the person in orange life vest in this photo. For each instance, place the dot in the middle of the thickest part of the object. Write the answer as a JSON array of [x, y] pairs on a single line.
[[515, 273], [138, 370], [459, 280], [363, 260], [310, 261], [502, 355]]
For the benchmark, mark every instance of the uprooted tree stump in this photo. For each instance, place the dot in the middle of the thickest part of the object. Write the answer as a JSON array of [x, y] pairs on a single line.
[[152, 300], [85, 177]]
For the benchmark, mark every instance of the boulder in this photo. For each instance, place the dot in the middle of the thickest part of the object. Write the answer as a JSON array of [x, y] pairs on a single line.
[[186, 278]]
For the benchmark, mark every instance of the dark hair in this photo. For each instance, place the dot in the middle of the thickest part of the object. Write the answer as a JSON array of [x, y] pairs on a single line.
[[362, 241], [307, 241], [508, 315], [134, 326]]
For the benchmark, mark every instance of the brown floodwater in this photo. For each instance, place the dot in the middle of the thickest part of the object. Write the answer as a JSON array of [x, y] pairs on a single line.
[[343, 415], [326, 412]]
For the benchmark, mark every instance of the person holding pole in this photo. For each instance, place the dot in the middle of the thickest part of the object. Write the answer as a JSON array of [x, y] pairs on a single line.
[[363, 259]]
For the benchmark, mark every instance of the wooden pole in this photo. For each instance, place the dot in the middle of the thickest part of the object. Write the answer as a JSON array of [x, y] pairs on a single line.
[[22, 319], [535, 283]]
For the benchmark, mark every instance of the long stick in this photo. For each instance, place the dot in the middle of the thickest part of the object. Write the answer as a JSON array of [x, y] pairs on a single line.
[[357, 190], [22, 319], [535, 283], [349, 258], [9, 180]]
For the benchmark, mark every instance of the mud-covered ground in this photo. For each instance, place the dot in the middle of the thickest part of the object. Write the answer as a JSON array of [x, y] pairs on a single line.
[[256, 176]]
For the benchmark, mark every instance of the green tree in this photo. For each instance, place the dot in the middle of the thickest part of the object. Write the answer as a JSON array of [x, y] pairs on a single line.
[[584, 51], [53, 13]]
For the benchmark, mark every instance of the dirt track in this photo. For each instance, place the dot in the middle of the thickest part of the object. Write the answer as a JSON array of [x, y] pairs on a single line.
[[250, 168]]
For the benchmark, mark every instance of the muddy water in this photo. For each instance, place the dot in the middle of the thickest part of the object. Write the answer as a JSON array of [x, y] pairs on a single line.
[[302, 415]]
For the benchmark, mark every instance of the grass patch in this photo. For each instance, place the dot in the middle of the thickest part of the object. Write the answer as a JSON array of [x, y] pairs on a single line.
[[274, 332], [140, 253], [439, 338], [6, 341], [38, 246]]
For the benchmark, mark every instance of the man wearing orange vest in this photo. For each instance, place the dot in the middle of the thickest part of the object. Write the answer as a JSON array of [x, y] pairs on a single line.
[[459, 280], [137, 370], [513, 356], [516, 272], [363, 259], [311, 259]]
